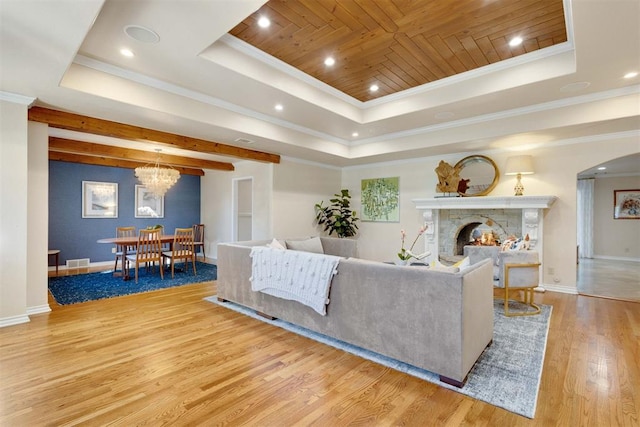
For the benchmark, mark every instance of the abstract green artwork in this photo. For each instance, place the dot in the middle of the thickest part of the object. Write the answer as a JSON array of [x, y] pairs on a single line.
[[380, 199]]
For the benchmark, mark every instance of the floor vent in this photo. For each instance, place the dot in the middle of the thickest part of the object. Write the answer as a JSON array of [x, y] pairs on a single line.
[[78, 263]]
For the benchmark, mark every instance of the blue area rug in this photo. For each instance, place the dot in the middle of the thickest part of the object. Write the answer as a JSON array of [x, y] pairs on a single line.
[[506, 375], [94, 286]]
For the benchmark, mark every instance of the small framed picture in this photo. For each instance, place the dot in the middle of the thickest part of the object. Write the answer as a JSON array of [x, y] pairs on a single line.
[[626, 204], [99, 199], [148, 205]]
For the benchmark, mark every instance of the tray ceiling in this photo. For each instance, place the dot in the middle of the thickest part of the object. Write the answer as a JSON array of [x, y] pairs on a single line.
[[399, 44]]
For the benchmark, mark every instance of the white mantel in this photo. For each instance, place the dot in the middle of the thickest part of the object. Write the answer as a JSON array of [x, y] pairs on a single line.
[[531, 206], [487, 202]]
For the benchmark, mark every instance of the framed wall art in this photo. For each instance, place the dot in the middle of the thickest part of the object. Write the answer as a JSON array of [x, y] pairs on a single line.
[[626, 204], [380, 199], [148, 205], [99, 199]]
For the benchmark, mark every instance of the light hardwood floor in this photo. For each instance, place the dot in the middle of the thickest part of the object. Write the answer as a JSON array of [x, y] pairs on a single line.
[[170, 358], [609, 279]]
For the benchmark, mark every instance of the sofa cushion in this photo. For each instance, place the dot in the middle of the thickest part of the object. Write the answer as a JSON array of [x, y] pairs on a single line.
[[275, 244], [310, 245]]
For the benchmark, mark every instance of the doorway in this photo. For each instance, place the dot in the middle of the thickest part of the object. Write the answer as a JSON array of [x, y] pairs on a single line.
[[242, 218], [608, 254]]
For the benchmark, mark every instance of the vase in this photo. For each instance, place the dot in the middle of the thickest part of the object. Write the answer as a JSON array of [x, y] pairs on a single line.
[[402, 262]]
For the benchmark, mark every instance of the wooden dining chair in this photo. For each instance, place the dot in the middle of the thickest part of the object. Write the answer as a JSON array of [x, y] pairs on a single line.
[[149, 251], [198, 239], [182, 249], [124, 232]]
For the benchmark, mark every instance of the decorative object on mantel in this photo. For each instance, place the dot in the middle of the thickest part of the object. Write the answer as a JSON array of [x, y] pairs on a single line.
[[448, 179], [478, 176], [157, 179], [338, 217], [519, 165], [406, 254]]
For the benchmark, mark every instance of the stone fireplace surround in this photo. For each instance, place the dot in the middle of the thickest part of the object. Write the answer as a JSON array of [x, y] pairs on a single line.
[[447, 217]]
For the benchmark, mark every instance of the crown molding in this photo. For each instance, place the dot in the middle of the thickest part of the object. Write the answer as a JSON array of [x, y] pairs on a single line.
[[17, 99]]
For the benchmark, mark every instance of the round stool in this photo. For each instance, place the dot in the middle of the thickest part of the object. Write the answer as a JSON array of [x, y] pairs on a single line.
[[56, 253]]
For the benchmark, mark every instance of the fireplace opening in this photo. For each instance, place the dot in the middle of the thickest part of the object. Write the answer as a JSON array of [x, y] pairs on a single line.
[[476, 234]]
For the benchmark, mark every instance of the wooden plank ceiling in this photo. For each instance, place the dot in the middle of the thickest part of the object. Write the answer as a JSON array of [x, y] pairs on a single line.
[[399, 44]]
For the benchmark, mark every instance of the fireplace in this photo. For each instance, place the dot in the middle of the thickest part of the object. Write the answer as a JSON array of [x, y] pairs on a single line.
[[491, 226], [451, 221]]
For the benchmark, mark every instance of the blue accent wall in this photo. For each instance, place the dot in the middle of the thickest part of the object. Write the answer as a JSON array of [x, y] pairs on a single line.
[[76, 237]]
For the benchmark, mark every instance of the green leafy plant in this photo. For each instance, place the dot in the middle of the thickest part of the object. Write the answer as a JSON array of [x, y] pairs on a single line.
[[338, 217]]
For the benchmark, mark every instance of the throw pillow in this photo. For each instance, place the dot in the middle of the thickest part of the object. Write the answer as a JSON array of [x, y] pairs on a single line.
[[275, 244], [463, 264], [310, 245], [514, 244], [438, 266]]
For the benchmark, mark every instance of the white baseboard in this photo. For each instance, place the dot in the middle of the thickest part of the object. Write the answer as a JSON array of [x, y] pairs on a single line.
[[38, 309], [14, 320], [616, 258], [561, 289]]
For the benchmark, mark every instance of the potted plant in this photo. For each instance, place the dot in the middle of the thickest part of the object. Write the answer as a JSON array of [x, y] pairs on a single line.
[[338, 217]]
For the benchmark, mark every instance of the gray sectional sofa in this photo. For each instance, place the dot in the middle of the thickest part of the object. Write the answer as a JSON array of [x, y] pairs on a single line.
[[434, 320]]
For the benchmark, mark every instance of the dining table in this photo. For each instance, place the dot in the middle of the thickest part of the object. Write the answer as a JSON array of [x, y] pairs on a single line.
[[128, 242]]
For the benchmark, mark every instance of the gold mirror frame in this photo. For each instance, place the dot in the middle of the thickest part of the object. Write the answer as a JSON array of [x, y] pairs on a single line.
[[486, 187]]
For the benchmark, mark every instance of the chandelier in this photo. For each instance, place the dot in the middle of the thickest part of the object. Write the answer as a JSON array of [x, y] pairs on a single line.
[[157, 179]]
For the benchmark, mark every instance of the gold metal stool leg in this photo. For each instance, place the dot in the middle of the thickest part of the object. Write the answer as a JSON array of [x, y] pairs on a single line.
[[527, 297]]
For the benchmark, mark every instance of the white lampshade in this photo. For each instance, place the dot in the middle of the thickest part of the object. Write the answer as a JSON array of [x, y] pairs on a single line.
[[519, 165], [522, 165]]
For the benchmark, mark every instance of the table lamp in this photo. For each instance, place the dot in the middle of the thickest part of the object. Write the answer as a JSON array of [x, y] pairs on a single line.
[[519, 165]]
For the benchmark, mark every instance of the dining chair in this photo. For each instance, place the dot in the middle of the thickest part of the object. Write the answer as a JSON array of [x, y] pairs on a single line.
[[149, 251], [182, 249], [124, 232], [198, 239]]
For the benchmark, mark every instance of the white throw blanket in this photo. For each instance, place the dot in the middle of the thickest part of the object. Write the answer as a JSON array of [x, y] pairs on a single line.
[[294, 275]]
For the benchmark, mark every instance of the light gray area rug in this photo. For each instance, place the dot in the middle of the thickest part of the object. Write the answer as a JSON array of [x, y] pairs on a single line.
[[506, 375]]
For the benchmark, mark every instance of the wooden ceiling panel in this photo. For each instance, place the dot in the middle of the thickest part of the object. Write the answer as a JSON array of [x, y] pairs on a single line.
[[399, 44]]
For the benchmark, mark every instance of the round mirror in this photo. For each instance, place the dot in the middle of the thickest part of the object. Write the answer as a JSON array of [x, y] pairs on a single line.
[[478, 176]]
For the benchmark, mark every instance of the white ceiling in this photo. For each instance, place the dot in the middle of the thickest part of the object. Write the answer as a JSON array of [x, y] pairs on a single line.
[[200, 82]]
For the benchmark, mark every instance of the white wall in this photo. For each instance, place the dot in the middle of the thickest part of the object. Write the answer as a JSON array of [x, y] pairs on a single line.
[[216, 189], [13, 213], [381, 240], [38, 218], [297, 187], [614, 238]]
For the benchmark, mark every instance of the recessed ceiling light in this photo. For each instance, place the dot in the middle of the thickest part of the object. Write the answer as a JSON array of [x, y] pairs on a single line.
[[374, 88], [631, 75], [516, 41], [279, 107], [141, 34], [329, 61], [264, 22], [601, 168], [355, 134], [126, 52]]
